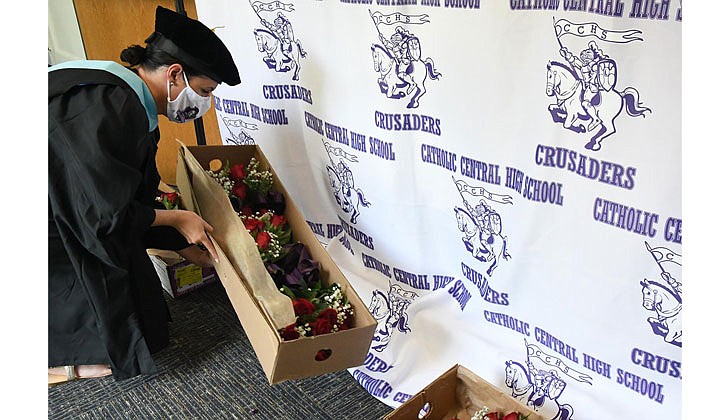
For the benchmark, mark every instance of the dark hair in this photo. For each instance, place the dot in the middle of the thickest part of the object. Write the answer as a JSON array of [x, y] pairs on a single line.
[[152, 58]]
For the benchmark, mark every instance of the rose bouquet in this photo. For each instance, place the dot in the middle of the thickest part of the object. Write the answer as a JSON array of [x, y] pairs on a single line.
[[250, 190], [319, 309], [485, 414], [323, 311], [270, 231]]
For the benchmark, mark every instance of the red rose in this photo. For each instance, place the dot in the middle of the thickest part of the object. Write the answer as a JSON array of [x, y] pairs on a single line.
[[348, 322], [511, 416], [171, 196], [322, 355], [240, 190], [492, 416], [263, 240], [303, 306], [246, 211], [290, 333], [237, 172], [169, 200], [330, 314], [321, 326], [252, 224], [277, 220]]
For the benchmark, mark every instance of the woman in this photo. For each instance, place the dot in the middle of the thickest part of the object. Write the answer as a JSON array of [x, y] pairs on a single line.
[[107, 314]]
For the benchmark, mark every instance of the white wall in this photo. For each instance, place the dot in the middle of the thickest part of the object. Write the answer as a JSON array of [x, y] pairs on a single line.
[[64, 36]]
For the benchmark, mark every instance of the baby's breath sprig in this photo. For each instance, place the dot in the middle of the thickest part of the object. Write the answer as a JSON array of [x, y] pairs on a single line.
[[481, 414], [222, 176], [257, 180]]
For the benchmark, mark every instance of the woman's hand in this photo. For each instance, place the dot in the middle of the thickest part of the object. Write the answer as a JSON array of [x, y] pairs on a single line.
[[193, 227], [196, 256]]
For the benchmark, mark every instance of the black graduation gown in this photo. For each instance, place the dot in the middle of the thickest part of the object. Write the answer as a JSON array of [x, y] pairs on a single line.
[[105, 301]]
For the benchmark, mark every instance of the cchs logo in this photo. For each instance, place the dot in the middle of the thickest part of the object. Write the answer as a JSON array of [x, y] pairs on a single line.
[[584, 89]]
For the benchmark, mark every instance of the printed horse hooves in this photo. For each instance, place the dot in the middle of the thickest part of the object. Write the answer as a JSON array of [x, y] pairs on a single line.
[[593, 146]]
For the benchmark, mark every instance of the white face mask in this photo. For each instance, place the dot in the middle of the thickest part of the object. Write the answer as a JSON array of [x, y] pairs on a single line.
[[188, 105]]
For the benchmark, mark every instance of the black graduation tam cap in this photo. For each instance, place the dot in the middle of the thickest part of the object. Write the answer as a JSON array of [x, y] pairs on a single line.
[[195, 44]]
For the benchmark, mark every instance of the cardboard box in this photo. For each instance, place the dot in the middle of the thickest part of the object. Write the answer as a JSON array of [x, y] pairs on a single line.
[[280, 360], [179, 276], [458, 393]]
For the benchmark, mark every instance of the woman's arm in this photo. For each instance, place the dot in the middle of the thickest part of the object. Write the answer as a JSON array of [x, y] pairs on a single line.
[[193, 227]]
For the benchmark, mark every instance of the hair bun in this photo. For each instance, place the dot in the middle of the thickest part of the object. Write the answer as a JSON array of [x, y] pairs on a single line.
[[134, 55]]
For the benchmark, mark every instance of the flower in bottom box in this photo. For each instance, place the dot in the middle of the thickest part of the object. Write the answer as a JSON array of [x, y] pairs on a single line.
[[329, 314], [322, 355], [269, 238], [290, 333], [485, 414], [237, 172], [240, 190], [332, 311], [319, 309], [253, 224], [302, 306], [277, 220], [322, 326], [295, 269], [263, 240]]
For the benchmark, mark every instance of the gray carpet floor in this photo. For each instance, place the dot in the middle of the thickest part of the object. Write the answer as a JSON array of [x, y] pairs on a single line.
[[210, 371]]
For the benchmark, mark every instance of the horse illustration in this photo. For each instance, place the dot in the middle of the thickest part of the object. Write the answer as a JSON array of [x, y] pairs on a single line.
[[379, 305], [389, 81], [563, 83], [394, 309], [342, 183], [392, 78], [668, 305], [517, 379], [541, 398], [485, 246], [276, 57]]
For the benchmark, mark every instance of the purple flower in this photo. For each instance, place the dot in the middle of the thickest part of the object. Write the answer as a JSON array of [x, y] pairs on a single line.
[[295, 269]]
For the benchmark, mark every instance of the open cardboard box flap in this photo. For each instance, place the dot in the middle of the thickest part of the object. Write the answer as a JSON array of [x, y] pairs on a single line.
[[459, 393], [213, 204]]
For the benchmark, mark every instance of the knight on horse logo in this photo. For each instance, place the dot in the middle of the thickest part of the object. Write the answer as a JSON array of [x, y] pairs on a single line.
[[281, 49], [481, 225], [664, 298], [539, 388], [398, 60], [237, 128], [393, 309], [342, 182], [585, 90]]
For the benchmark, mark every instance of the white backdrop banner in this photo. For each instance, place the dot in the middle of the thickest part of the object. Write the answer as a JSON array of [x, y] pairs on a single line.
[[499, 180]]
